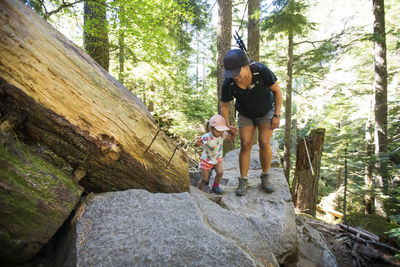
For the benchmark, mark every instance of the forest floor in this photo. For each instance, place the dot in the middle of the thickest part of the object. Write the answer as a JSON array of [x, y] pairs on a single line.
[[354, 250]]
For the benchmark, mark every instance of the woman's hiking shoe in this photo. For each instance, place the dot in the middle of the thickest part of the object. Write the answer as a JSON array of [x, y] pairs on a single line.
[[266, 183], [217, 190], [242, 188]]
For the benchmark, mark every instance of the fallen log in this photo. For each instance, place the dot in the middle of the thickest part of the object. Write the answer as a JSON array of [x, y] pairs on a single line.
[[56, 95], [37, 194], [375, 243], [359, 232], [333, 212], [373, 255]]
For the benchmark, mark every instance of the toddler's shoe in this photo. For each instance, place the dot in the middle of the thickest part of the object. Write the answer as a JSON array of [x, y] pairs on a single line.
[[217, 190]]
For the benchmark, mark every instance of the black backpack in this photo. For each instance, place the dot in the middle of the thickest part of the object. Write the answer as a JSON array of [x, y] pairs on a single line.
[[255, 70]]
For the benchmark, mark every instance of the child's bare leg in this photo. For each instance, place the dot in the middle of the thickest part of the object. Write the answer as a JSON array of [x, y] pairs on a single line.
[[219, 172], [204, 179]]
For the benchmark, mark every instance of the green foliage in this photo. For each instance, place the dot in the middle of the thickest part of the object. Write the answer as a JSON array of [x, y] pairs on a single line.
[[288, 16], [395, 234]]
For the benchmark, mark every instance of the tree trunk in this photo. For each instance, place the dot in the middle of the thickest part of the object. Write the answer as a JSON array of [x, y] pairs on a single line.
[[345, 186], [294, 137], [380, 91], [288, 109], [121, 57], [339, 177], [151, 101], [224, 36], [95, 32], [253, 30], [69, 104], [305, 182], [253, 37], [369, 199]]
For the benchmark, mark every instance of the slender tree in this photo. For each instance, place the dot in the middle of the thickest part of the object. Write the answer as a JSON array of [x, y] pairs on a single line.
[[95, 32], [380, 92], [369, 198], [224, 36], [288, 107], [288, 18], [253, 37], [121, 42]]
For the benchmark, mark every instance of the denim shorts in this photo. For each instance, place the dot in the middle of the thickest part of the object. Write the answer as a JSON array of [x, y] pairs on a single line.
[[246, 121]]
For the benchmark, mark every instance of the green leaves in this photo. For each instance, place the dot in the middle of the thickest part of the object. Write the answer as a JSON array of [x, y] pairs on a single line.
[[288, 16]]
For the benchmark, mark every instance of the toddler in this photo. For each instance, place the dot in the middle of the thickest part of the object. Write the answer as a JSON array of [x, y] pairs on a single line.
[[211, 158]]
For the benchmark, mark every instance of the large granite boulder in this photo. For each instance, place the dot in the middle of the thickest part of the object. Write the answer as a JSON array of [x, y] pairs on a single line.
[[37, 194], [138, 228], [272, 214], [135, 227]]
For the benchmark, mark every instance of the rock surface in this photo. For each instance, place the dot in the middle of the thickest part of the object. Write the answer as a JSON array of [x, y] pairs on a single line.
[[272, 214], [135, 227], [138, 228], [313, 247]]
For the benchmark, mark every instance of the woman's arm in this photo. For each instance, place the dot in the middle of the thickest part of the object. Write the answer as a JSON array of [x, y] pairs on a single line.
[[225, 114], [278, 104]]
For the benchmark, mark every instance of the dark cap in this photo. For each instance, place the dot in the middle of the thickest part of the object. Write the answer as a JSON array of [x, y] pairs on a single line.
[[234, 60]]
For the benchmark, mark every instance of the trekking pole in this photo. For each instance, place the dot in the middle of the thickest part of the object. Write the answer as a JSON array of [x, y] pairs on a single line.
[[240, 43]]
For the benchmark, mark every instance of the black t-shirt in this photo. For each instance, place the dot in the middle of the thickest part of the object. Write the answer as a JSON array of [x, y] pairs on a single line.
[[255, 101]]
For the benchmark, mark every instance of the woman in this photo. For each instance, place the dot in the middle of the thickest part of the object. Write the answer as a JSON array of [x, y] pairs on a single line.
[[258, 102]]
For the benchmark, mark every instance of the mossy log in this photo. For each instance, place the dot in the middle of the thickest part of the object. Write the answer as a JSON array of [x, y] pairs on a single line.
[[37, 194], [55, 94]]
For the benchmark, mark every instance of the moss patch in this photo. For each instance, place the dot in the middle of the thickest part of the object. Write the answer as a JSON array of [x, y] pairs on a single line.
[[36, 196], [375, 224]]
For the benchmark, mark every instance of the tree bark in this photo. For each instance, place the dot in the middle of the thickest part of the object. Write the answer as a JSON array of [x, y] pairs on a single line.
[[37, 193], [339, 178], [121, 57], [253, 37], [95, 32], [69, 104], [253, 30], [288, 108], [224, 36], [369, 199], [305, 182], [380, 91]]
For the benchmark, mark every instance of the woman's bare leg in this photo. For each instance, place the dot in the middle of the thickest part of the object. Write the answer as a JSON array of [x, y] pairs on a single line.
[[246, 143]]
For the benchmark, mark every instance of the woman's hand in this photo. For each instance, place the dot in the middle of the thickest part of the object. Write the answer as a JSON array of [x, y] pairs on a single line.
[[232, 131], [275, 121]]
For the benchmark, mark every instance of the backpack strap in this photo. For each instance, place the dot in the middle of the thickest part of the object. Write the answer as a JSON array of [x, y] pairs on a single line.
[[257, 72]]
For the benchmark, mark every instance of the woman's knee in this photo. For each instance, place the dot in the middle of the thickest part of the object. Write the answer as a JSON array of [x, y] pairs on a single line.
[[264, 144], [245, 145]]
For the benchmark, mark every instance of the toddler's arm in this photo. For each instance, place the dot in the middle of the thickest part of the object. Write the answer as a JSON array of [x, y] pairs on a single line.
[[230, 136], [199, 141]]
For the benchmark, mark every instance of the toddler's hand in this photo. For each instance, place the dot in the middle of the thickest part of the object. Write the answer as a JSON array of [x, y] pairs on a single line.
[[232, 131], [199, 141]]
